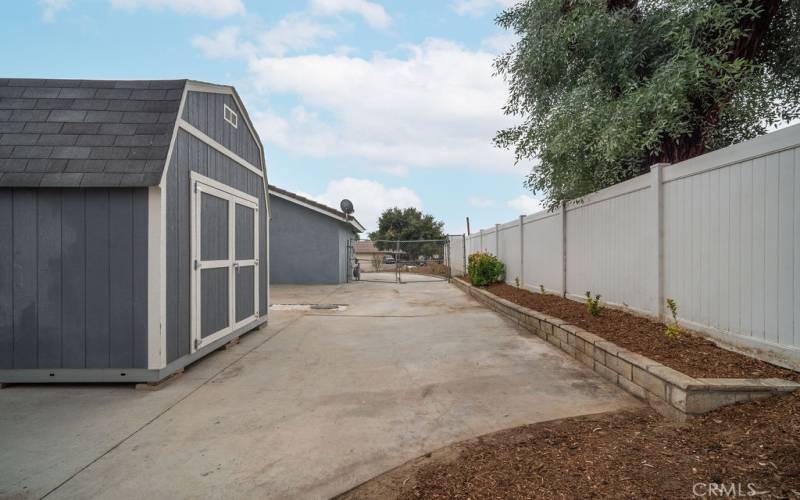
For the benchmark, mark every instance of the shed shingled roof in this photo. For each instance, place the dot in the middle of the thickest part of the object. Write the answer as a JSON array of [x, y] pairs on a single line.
[[84, 133]]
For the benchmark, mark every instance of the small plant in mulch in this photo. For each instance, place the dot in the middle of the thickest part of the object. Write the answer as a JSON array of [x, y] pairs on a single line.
[[485, 269], [673, 330], [593, 304], [541, 288], [516, 281]]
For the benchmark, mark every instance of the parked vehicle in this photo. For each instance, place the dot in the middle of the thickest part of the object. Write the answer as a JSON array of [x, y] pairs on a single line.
[[388, 259]]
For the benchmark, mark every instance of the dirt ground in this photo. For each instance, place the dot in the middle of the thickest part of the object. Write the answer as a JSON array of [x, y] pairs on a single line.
[[690, 354], [752, 447]]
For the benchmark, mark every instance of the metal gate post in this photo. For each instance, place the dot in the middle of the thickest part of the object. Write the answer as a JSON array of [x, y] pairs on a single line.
[[397, 261], [348, 266]]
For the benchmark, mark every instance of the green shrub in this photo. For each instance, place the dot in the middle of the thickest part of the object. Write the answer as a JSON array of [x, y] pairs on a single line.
[[673, 330], [593, 304], [484, 269]]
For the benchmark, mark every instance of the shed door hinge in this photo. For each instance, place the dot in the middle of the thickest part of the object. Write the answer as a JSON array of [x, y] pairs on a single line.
[[196, 264], [196, 344]]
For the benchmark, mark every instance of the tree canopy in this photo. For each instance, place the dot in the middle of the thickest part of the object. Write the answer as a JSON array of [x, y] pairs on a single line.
[[407, 224], [606, 88]]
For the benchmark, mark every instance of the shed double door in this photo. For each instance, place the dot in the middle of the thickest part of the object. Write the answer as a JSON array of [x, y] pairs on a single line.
[[225, 260]]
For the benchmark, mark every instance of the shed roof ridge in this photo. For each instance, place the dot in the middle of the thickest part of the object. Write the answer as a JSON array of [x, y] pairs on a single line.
[[322, 206]]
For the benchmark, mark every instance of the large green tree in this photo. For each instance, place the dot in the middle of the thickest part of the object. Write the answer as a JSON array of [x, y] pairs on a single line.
[[408, 225], [605, 88]]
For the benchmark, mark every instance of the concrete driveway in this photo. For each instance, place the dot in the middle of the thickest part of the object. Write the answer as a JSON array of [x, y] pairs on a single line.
[[310, 406]]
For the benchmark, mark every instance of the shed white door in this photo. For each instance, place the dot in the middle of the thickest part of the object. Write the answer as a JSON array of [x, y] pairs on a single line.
[[224, 256]]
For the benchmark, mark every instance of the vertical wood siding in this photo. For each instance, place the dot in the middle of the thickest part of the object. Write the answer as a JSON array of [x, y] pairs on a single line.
[[191, 154], [73, 278], [305, 247], [205, 111], [244, 292]]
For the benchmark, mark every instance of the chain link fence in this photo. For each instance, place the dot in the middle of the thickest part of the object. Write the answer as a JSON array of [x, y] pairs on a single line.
[[402, 261]]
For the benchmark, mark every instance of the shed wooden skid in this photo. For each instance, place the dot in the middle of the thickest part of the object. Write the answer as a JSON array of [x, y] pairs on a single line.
[[135, 227]]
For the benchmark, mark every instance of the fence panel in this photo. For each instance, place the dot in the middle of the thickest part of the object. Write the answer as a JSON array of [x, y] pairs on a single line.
[[732, 246], [543, 254], [719, 233], [489, 241], [610, 244], [510, 251], [455, 256]]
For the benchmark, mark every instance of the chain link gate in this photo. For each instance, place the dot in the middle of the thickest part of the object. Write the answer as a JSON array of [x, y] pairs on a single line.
[[401, 261]]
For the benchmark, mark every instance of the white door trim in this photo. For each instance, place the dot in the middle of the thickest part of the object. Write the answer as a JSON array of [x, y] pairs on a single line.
[[202, 184], [254, 263]]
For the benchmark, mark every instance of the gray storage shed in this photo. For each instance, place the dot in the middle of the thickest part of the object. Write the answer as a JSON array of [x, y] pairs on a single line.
[[134, 227], [308, 240]]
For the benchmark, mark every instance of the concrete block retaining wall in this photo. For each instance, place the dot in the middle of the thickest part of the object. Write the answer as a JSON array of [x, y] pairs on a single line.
[[670, 392]]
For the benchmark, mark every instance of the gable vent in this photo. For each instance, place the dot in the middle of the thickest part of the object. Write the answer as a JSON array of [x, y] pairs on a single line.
[[230, 116]]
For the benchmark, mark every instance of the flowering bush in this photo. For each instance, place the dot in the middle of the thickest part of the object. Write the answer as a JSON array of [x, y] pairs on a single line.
[[484, 269]]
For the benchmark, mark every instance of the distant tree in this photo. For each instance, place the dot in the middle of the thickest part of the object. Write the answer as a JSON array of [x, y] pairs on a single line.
[[606, 88], [408, 224]]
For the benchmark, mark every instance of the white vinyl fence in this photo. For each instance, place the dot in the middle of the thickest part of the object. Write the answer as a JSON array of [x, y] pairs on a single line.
[[719, 234], [455, 257]]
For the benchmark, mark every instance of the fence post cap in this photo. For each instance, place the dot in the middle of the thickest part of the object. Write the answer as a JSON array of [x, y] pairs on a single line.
[[656, 166]]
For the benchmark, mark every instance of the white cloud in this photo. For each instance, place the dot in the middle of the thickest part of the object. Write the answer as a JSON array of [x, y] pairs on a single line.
[[209, 8], [439, 106], [499, 43], [480, 7], [370, 198], [525, 204], [478, 202], [292, 33], [374, 14], [223, 44], [50, 8]]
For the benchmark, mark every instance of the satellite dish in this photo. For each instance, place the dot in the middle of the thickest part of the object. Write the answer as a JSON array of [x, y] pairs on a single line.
[[347, 206]]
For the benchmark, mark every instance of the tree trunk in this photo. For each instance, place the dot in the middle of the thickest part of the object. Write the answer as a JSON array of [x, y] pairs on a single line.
[[746, 47]]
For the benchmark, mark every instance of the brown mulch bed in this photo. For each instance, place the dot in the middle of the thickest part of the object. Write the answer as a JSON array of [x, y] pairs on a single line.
[[627, 454], [691, 354]]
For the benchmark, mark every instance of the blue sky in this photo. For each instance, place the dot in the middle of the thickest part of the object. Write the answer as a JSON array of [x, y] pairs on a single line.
[[387, 103]]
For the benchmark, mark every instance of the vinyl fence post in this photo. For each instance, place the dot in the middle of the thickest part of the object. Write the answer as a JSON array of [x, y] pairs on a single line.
[[657, 211], [481, 240], [521, 251], [563, 248], [497, 240], [464, 255]]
